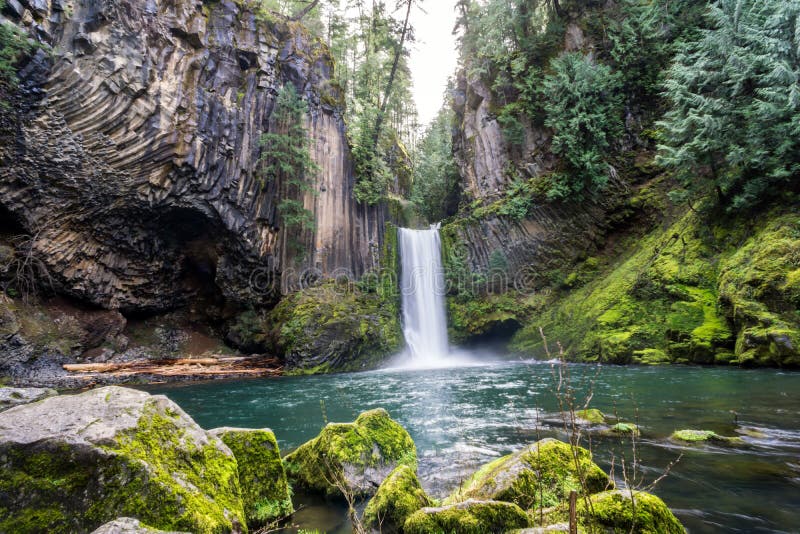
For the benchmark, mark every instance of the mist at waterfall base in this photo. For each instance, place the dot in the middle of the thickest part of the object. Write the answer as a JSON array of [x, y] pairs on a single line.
[[422, 290]]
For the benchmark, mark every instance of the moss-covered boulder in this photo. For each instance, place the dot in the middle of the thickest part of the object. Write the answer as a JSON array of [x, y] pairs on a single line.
[[699, 436], [399, 496], [74, 462], [539, 476], [468, 517], [332, 327], [591, 416], [355, 457], [623, 429], [129, 525], [262, 477], [618, 512]]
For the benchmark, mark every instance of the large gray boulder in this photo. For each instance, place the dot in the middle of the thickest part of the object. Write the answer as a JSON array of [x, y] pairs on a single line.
[[128, 525], [70, 463]]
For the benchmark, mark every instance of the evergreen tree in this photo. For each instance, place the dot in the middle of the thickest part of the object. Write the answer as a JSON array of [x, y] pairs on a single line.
[[436, 179], [286, 158], [583, 106], [734, 119]]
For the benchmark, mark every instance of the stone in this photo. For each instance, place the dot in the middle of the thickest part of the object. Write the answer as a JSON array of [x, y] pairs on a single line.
[[74, 462], [128, 525], [10, 397], [352, 457], [468, 517], [624, 511], [699, 436], [262, 477], [397, 498], [539, 476]]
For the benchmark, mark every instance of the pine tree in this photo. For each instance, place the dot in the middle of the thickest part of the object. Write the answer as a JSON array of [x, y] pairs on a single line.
[[286, 158], [734, 120]]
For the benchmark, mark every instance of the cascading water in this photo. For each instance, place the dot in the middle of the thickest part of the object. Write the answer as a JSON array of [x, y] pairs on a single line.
[[422, 289]]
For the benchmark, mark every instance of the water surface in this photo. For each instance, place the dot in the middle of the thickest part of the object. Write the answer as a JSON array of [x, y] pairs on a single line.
[[461, 418]]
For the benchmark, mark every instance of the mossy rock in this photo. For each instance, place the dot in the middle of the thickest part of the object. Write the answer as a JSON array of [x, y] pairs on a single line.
[[10, 397], [540, 476], [591, 415], [356, 456], [468, 517], [262, 477], [71, 463], [616, 512], [399, 496], [129, 525], [623, 429], [699, 436]]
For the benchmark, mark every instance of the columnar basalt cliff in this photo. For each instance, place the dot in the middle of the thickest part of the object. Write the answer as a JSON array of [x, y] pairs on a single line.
[[131, 153]]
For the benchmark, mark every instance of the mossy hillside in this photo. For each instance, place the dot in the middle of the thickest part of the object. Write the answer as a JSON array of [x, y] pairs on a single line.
[[617, 512], [151, 473], [262, 477], [540, 476], [658, 303], [399, 496], [759, 288], [469, 517], [357, 456]]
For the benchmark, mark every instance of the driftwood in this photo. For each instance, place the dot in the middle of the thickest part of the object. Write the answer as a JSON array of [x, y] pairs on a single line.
[[223, 366]]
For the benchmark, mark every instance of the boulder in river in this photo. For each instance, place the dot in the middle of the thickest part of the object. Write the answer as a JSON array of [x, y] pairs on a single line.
[[265, 491], [539, 476], [468, 517], [624, 511], [397, 498], [700, 436], [354, 457], [71, 463]]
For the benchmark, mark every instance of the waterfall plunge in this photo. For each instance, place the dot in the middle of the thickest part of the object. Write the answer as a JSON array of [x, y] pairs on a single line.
[[422, 289]]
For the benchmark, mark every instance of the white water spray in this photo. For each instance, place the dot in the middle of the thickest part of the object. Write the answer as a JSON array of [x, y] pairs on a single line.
[[422, 289]]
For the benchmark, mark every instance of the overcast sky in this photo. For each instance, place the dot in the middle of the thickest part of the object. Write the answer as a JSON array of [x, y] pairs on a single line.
[[433, 56]]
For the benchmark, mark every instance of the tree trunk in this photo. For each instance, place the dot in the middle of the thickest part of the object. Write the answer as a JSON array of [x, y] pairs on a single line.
[[387, 93], [306, 10]]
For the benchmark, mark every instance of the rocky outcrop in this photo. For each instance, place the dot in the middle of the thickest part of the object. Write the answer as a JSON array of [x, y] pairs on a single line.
[[131, 153], [74, 462]]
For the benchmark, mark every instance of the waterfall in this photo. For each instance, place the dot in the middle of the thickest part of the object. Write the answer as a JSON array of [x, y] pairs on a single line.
[[422, 289]]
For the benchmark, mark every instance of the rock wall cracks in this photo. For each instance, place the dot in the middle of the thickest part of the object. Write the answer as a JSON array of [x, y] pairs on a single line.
[[130, 153]]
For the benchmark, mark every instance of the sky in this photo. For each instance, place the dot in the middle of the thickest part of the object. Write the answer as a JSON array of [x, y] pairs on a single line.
[[433, 56]]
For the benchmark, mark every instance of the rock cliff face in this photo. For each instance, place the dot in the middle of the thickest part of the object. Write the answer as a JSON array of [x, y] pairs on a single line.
[[131, 153]]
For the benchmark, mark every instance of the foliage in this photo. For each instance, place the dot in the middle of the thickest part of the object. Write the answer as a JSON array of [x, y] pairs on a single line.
[[583, 105], [733, 124], [436, 179], [14, 44], [286, 158]]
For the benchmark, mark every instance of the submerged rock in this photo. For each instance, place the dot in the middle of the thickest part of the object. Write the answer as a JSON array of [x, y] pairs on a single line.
[[73, 462], [468, 517], [399, 496], [697, 436], [590, 415], [623, 429], [354, 457], [128, 525], [540, 476], [10, 397], [265, 491]]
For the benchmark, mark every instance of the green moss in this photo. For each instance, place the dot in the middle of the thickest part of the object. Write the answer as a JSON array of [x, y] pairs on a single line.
[[399, 496], [470, 517], [265, 491], [625, 429], [592, 415], [343, 452], [697, 436], [540, 476], [616, 511], [470, 317]]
